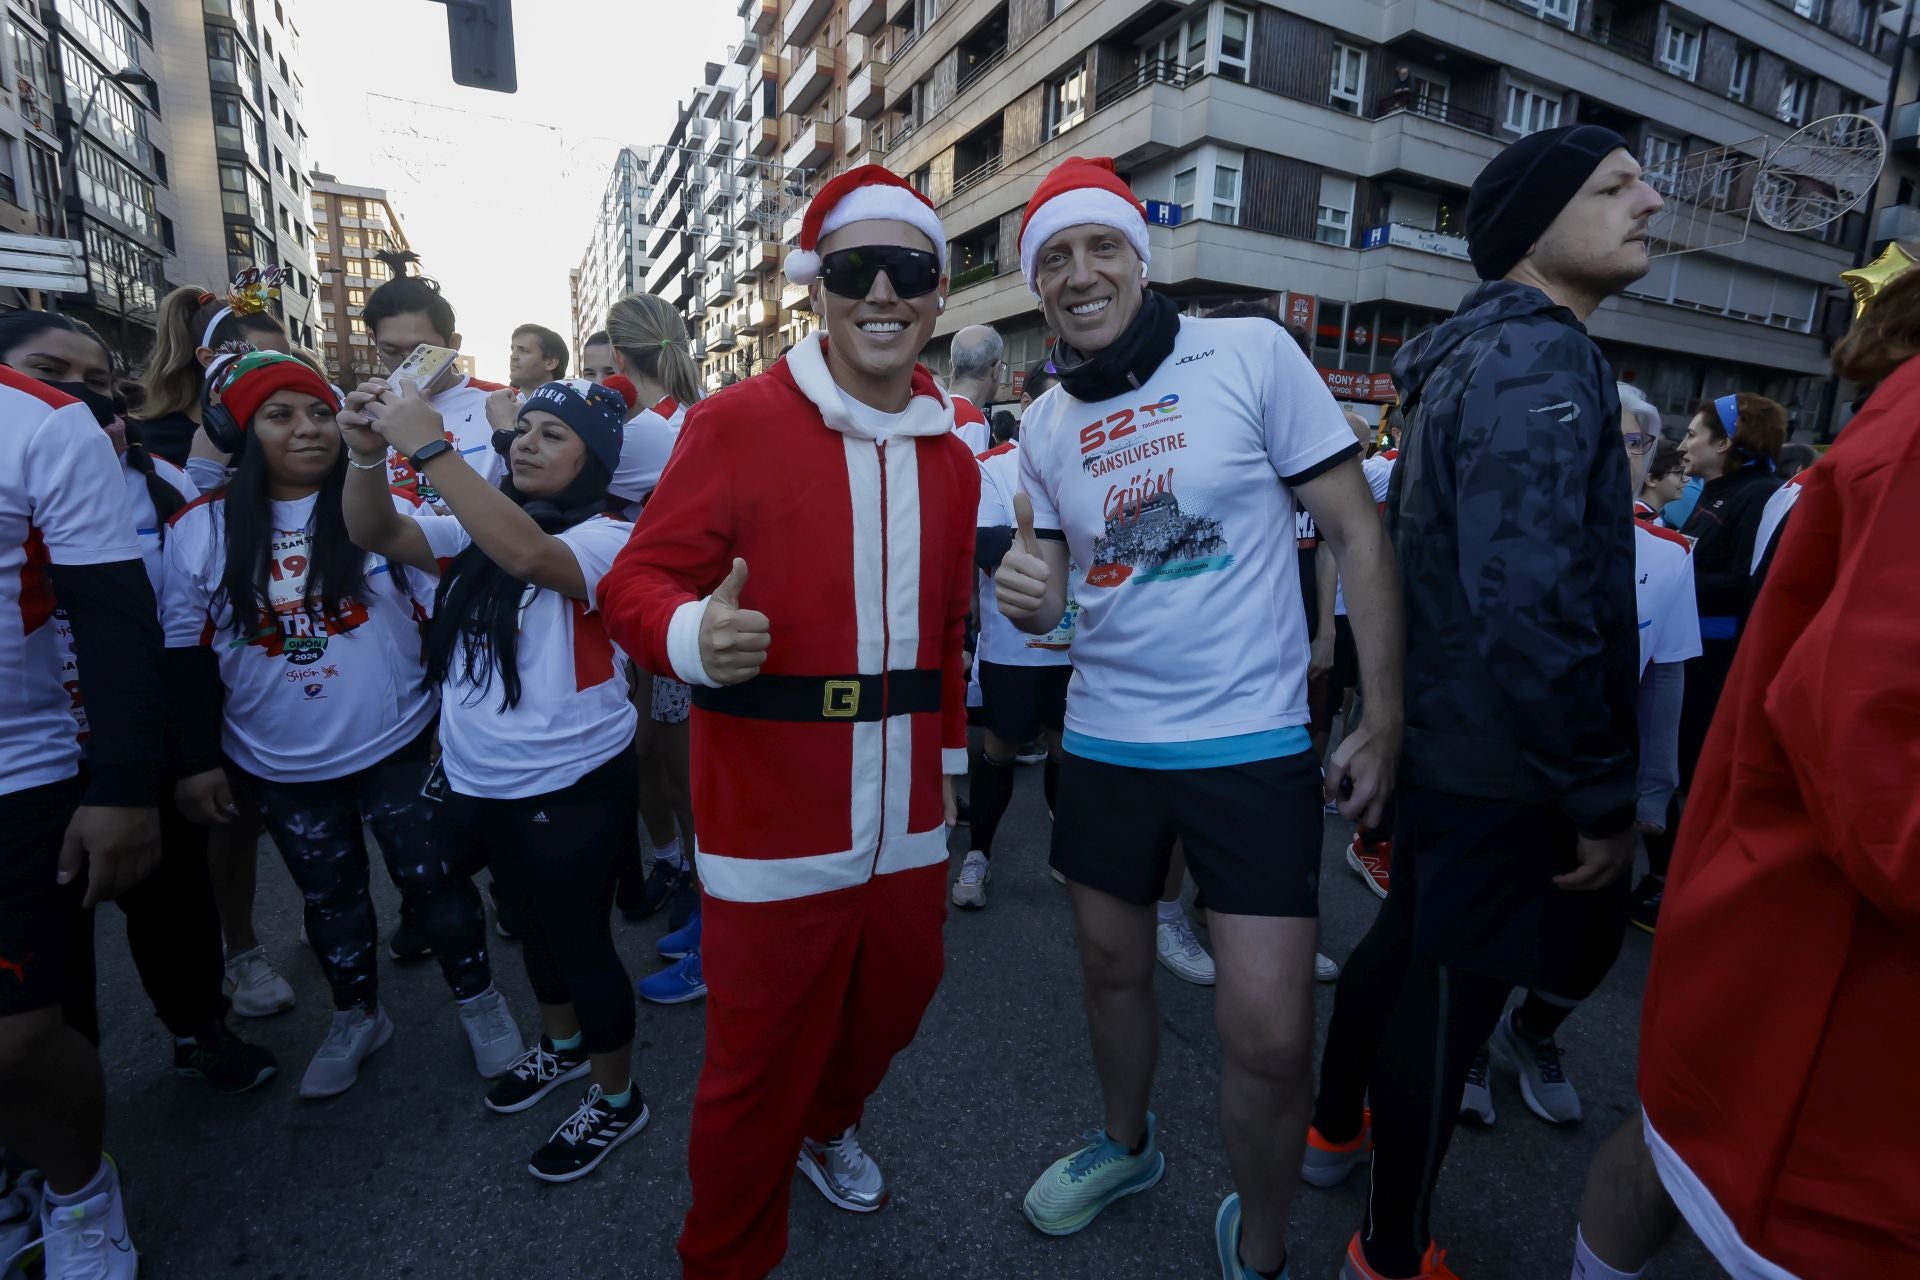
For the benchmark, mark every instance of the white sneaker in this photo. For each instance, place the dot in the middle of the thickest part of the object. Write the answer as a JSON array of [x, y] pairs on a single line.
[[254, 988], [90, 1238], [351, 1040], [494, 1035], [1324, 968], [19, 1224], [970, 890], [845, 1175], [1181, 952]]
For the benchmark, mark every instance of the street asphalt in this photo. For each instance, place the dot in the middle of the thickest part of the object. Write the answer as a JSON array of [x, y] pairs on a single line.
[[408, 1175]]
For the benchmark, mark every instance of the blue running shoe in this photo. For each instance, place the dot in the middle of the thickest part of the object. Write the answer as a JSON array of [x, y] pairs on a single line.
[[677, 984], [682, 942], [1072, 1192], [1226, 1238]]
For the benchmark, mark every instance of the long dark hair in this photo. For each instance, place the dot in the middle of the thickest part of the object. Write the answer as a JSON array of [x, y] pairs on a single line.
[[336, 569], [17, 327], [477, 606]]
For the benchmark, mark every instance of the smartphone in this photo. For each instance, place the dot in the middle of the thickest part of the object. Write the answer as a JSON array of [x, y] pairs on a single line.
[[430, 369], [435, 787]]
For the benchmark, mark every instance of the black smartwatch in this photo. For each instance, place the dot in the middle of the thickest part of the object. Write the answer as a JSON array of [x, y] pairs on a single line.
[[427, 452]]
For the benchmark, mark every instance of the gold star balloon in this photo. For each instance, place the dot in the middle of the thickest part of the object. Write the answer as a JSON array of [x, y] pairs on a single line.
[[1867, 282]]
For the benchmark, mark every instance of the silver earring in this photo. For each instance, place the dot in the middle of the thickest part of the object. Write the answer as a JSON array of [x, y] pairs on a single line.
[[939, 304]]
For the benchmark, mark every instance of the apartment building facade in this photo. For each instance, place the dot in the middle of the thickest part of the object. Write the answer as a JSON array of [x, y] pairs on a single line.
[[1310, 171], [350, 225], [29, 140], [615, 262]]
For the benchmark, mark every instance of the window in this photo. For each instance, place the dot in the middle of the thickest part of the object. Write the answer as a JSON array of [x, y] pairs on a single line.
[[286, 223], [1740, 79], [1349, 78], [1863, 23], [166, 232], [1680, 54], [1811, 10], [114, 189], [1187, 44], [1334, 222], [1660, 157], [1560, 12], [1184, 183], [1531, 107], [1226, 194], [1066, 101], [1236, 43], [1795, 93]]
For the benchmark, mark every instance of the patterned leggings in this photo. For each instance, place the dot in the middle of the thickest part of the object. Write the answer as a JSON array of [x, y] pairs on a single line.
[[320, 828]]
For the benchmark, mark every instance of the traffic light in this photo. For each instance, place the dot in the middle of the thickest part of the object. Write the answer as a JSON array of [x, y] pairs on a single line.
[[480, 38]]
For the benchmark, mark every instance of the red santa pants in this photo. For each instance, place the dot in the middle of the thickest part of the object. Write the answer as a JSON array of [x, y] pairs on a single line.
[[807, 1003]]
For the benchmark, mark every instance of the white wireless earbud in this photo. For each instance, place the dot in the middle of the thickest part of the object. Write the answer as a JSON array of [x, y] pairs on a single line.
[[939, 304]]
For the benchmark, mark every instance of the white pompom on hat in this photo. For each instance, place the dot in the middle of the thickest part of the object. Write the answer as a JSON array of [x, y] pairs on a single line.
[[868, 193], [1080, 191]]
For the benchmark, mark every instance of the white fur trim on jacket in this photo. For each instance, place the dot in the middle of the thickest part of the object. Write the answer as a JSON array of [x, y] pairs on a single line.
[[924, 416], [875, 203], [1083, 206], [683, 643]]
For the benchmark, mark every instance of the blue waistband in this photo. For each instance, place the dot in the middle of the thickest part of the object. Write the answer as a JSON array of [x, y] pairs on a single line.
[[1203, 753]]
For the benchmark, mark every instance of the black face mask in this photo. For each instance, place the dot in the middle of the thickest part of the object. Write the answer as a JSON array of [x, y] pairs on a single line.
[[105, 408], [1129, 362]]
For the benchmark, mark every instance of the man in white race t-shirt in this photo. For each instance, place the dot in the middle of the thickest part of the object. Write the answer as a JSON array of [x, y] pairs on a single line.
[[1166, 468]]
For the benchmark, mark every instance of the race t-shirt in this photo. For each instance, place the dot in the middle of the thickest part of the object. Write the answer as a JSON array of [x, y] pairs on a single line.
[[1772, 516], [463, 409], [1379, 473], [573, 714], [1663, 590], [1176, 500], [308, 698], [1000, 641], [645, 445], [61, 502], [971, 425], [146, 522]]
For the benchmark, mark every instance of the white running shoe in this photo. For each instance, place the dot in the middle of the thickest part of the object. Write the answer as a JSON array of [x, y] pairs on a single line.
[[19, 1224], [845, 1175], [970, 890], [1476, 1100], [351, 1039], [1324, 968], [90, 1238], [494, 1035], [254, 988], [1181, 952]]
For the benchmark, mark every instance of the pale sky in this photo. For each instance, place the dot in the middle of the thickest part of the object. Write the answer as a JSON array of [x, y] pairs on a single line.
[[498, 192]]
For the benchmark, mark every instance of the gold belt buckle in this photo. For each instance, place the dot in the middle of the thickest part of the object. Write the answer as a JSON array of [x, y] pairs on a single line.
[[842, 700]]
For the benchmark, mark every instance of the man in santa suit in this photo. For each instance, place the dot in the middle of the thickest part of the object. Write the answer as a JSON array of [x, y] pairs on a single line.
[[829, 710]]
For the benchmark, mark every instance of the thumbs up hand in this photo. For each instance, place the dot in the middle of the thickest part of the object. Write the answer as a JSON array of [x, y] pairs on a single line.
[[733, 641], [1020, 583]]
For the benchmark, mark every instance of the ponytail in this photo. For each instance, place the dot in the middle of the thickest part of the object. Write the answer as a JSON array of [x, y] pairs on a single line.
[[174, 374], [166, 499], [652, 337]]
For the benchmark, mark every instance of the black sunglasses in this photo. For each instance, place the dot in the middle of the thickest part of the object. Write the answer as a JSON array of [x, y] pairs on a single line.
[[851, 272]]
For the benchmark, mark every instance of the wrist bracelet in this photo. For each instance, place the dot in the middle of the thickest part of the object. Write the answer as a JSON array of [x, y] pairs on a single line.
[[358, 465]]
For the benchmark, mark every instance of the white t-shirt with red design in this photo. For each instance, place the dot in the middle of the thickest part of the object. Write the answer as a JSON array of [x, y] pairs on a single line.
[[1663, 577], [1000, 641], [573, 714], [644, 449], [61, 502], [463, 410], [308, 698], [971, 425]]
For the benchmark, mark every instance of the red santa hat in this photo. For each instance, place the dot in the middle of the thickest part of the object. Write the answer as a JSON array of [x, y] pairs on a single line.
[[869, 193], [1080, 192]]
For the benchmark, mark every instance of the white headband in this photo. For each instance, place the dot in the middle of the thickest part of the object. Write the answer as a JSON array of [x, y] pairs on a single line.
[[206, 339]]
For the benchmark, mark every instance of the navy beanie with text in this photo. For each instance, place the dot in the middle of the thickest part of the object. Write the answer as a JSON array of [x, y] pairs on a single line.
[[1524, 188], [594, 413]]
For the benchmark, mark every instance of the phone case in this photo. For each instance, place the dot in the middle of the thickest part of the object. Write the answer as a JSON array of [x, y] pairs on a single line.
[[431, 369]]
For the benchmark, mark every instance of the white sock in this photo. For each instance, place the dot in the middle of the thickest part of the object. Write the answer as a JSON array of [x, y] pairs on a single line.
[[670, 854], [102, 1179], [1588, 1267], [1170, 912]]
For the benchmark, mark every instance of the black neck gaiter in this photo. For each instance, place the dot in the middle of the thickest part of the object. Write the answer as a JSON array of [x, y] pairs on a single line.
[[1129, 362]]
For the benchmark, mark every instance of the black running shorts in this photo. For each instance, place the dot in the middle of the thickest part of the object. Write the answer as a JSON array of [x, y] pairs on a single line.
[[1016, 703], [1251, 831], [37, 913]]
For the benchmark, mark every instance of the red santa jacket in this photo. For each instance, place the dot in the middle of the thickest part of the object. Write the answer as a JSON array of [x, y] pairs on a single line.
[[825, 769], [1782, 1014]]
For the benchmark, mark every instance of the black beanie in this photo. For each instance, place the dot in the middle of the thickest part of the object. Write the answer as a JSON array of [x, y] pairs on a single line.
[[1524, 188]]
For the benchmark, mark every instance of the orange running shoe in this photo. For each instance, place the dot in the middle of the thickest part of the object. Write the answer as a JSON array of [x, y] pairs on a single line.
[[1433, 1265], [1370, 862], [1327, 1164]]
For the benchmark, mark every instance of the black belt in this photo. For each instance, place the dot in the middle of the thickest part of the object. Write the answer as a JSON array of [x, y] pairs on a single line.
[[825, 698]]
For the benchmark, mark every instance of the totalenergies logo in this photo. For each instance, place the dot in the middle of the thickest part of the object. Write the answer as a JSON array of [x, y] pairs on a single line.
[[1120, 425]]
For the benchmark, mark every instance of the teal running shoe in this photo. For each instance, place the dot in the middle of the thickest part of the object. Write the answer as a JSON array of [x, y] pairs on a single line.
[[1072, 1192]]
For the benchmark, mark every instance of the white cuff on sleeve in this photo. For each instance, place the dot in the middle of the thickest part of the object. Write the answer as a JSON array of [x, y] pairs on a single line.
[[683, 643], [953, 761]]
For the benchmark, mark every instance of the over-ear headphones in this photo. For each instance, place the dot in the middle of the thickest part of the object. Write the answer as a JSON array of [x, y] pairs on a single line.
[[223, 432]]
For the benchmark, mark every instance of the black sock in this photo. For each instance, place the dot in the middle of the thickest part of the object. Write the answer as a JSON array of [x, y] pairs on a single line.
[[990, 787], [1050, 780], [1538, 1018]]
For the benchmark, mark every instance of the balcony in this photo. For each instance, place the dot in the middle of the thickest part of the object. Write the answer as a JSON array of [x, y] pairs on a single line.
[[864, 17], [978, 174], [761, 317], [900, 12], [810, 146], [867, 92], [763, 139], [1896, 222], [721, 143], [698, 127], [803, 19], [762, 258], [900, 50], [1444, 112], [1904, 138], [747, 50], [810, 79], [790, 229], [720, 287], [716, 245], [746, 211], [719, 338], [763, 17], [721, 188]]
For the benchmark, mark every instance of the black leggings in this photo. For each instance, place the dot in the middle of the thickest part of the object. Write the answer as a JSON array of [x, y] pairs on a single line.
[[173, 932], [1403, 1034], [555, 858], [321, 830]]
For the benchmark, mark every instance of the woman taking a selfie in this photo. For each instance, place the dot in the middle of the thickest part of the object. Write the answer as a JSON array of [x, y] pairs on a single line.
[[536, 732], [317, 646]]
